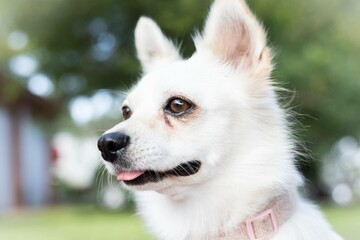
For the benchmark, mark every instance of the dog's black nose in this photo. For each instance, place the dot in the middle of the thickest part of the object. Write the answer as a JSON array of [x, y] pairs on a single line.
[[109, 144]]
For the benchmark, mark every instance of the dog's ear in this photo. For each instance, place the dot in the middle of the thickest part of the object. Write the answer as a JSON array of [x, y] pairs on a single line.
[[153, 48], [235, 36]]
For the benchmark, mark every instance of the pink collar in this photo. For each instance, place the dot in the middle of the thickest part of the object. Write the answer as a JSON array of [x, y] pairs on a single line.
[[266, 223]]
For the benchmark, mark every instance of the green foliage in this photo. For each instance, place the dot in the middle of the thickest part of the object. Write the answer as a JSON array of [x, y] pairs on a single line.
[[318, 56], [64, 33]]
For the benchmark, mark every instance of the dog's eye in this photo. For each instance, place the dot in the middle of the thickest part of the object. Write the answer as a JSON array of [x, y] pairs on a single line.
[[126, 111], [177, 106]]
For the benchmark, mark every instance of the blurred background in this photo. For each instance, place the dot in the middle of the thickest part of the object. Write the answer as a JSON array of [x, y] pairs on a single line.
[[64, 65]]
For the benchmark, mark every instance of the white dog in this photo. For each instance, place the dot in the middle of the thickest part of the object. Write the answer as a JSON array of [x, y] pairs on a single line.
[[204, 142]]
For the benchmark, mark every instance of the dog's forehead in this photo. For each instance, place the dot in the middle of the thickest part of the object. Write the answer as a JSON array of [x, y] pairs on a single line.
[[181, 77]]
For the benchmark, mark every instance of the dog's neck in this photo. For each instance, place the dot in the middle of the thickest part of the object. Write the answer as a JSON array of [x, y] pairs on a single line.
[[193, 217], [264, 223]]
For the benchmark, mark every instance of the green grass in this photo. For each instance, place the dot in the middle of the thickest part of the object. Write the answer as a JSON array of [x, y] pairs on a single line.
[[71, 224], [64, 223], [345, 220]]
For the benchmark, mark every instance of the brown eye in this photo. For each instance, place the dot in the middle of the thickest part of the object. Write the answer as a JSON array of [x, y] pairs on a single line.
[[178, 106], [126, 112]]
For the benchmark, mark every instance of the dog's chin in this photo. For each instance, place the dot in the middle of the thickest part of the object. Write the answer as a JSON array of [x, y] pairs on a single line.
[[153, 180]]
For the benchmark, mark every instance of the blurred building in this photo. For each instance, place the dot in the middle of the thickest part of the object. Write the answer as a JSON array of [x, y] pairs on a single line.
[[25, 152]]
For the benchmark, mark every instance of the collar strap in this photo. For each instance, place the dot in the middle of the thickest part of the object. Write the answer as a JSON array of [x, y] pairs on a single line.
[[266, 223]]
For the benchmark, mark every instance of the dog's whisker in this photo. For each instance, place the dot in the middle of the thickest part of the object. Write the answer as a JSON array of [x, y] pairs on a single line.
[[187, 170], [99, 181], [98, 176], [108, 180], [158, 178]]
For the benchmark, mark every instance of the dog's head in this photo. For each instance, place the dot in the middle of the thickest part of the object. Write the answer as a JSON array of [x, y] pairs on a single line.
[[187, 120]]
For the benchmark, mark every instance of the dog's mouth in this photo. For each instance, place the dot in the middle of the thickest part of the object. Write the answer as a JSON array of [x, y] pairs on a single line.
[[146, 176]]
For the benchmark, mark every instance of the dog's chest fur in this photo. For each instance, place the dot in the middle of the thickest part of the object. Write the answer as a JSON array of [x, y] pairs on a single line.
[[199, 222]]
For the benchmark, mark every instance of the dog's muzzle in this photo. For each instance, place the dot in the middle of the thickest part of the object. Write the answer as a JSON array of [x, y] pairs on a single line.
[[111, 143], [112, 146]]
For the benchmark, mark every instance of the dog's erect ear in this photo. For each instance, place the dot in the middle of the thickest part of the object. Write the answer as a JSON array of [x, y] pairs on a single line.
[[153, 48], [234, 35]]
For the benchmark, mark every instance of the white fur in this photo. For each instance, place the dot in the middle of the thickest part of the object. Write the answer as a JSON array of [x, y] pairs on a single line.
[[239, 132]]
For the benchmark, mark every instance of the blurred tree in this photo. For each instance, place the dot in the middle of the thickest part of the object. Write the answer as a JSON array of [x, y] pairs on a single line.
[[318, 56], [87, 45]]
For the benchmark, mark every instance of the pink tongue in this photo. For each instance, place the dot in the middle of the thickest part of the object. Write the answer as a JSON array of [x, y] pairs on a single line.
[[128, 176]]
